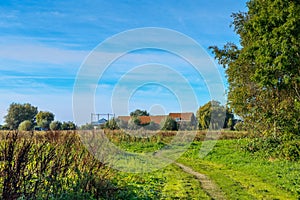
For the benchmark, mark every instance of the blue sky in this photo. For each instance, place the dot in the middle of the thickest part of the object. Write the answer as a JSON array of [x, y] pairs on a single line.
[[44, 43]]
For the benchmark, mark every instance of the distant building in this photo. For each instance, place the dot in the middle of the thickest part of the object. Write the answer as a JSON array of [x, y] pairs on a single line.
[[99, 122], [188, 117]]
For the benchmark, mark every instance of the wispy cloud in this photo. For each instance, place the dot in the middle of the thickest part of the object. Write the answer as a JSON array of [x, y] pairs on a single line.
[[44, 43], [41, 54]]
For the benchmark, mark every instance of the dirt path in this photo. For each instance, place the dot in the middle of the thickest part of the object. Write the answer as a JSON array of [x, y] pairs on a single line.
[[208, 186]]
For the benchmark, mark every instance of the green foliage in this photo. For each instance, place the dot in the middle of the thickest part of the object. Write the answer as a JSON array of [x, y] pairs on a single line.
[[169, 124], [213, 115], [87, 127], [287, 147], [55, 125], [44, 118], [68, 126], [263, 75], [4, 127], [111, 124], [25, 126], [18, 113], [139, 112], [243, 175], [52, 165], [291, 150], [239, 126]]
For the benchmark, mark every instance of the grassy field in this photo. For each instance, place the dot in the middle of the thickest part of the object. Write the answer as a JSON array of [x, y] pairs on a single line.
[[55, 165]]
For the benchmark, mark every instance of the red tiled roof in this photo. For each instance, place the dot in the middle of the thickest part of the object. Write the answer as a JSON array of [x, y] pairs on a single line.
[[182, 116], [158, 118], [124, 118], [144, 119]]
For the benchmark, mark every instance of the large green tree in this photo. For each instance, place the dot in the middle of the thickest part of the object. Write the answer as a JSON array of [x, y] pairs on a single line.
[[213, 115], [44, 118], [18, 113], [264, 70], [139, 112]]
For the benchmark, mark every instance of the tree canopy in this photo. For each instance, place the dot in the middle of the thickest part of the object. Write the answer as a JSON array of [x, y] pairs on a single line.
[[18, 113], [25, 126], [264, 70], [215, 116], [139, 112], [44, 118], [169, 124]]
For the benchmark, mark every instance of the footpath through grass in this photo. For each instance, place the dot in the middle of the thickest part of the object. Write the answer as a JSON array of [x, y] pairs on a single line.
[[242, 175], [239, 174]]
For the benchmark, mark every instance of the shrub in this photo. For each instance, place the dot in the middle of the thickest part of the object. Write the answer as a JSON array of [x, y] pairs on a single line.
[[25, 126], [55, 125], [68, 126], [111, 124], [239, 126], [169, 124], [291, 150]]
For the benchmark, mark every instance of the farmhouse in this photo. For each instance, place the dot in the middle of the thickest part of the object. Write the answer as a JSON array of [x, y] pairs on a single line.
[[187, 117]]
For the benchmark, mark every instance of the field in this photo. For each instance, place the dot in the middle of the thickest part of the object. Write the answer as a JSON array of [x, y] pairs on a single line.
[[55, 165]]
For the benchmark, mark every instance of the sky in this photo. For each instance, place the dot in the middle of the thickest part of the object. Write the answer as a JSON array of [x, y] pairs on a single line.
[[44, 45]]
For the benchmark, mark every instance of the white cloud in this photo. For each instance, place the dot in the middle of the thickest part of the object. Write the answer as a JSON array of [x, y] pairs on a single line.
[[35, 53]]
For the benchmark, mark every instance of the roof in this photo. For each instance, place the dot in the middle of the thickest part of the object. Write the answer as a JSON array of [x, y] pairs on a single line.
[[124, 118], [182, 116], [99, 122], [158, 118]]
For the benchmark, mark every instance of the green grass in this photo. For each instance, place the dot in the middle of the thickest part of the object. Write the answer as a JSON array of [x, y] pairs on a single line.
[[238, 173], [167, 183], [242, 175]]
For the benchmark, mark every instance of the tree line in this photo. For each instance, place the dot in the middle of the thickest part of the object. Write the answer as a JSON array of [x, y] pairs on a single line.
[[26, 117], [211, 115]]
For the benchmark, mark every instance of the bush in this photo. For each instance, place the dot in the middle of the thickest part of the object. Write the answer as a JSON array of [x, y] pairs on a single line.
[[282, 147], [68, 126], [291, 150], [112, 124], [25, 126], [55, 125], [239, 126], [169, 124]]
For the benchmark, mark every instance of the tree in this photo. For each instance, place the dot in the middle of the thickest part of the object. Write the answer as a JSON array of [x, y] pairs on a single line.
[[55, 125], [68, 126], [213, 115], [4, 127], [169, 124], [264, 72], [25, 126], [44, 118], [139, 112], [111, 124], [18, 113]]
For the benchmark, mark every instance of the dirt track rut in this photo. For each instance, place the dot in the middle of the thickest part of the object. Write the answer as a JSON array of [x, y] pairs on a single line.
[[207, 185]]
